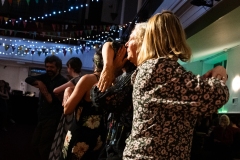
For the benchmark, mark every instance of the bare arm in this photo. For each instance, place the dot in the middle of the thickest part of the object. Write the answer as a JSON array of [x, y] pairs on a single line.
[[111, 65], [81, 89], [61, 88], [67, 93]]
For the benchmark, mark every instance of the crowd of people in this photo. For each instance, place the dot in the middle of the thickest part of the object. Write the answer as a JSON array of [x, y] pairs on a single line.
[[139, 102]]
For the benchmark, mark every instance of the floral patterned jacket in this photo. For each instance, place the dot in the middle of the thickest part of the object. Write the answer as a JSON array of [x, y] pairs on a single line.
[[167, 100]]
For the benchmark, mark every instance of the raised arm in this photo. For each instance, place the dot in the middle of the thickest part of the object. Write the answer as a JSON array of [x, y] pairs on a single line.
[[36, 82], [179, 90], [111, 65]]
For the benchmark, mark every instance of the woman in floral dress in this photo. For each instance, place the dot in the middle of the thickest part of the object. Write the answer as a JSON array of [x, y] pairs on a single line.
[[86, 136]]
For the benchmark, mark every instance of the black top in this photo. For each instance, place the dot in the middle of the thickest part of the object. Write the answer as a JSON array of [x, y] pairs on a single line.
[[117, 98], [75, 80], [48, 110]]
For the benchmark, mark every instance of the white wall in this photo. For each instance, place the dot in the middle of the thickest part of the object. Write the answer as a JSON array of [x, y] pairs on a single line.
[[195, 67], [206, 68], [14, 76], [14, 68], [11, 55], [233, 70]]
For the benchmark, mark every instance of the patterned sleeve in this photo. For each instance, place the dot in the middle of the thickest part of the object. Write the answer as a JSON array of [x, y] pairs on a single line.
[[166, 83], [117, 98]]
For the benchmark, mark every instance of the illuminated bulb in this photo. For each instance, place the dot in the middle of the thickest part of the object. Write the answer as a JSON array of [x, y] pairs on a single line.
[[236, 83]]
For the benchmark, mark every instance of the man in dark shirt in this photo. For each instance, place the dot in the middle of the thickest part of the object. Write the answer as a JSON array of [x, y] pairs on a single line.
[[50, 107]]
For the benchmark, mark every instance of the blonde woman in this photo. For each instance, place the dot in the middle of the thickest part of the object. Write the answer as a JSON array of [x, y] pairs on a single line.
[[222, 137], [166, 98]]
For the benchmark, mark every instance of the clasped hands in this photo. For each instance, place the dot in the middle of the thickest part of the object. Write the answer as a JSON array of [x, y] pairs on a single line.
[[218, 72]]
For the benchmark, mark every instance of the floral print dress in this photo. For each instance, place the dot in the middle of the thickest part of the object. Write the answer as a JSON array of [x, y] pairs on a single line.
[[167, 101], [87, 134]]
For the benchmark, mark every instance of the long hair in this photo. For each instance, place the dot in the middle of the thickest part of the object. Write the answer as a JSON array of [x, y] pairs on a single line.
[[98, 60], [164, 37]]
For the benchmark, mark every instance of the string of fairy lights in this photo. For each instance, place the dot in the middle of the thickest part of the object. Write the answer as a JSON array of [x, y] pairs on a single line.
[[84, 43], [23, 47], [60, 39], [34, 18]]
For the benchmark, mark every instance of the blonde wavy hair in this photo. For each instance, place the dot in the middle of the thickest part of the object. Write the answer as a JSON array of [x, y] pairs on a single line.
[[138, 32], [164, 37]]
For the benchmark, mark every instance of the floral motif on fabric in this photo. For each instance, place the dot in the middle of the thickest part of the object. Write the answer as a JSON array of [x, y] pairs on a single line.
[[167, 100], [79, 149], [92, 121], [66, 144]]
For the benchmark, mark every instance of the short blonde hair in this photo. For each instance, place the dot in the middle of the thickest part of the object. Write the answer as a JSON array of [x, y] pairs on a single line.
[[164, 37], [226, 118], [139, 31]]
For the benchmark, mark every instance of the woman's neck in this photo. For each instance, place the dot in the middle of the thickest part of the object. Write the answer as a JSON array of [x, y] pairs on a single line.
[[75, 75]]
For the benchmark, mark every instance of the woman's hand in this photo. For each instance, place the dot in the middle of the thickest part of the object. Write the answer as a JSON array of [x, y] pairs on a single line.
[[218, 72], [110, 72], [106, 79]]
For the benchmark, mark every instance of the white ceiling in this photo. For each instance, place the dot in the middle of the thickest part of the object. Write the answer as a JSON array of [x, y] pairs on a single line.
[[218, 37]]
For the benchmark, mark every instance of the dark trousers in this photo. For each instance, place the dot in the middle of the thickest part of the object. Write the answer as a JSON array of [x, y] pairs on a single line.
[[43, 137]]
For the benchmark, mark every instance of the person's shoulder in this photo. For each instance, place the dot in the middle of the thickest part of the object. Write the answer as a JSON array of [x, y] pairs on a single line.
[[88, 77], [160, 62]]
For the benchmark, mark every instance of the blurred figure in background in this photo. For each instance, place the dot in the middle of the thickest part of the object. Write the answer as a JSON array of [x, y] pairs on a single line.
[[4, 96], [222, 138], [74, 66], [50, 106]]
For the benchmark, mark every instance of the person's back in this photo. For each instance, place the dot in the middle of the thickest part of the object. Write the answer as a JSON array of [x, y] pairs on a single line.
[[167, 99], [87, 134]]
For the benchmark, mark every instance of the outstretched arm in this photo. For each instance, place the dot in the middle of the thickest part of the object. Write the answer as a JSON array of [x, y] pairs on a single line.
[[61, 88]]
